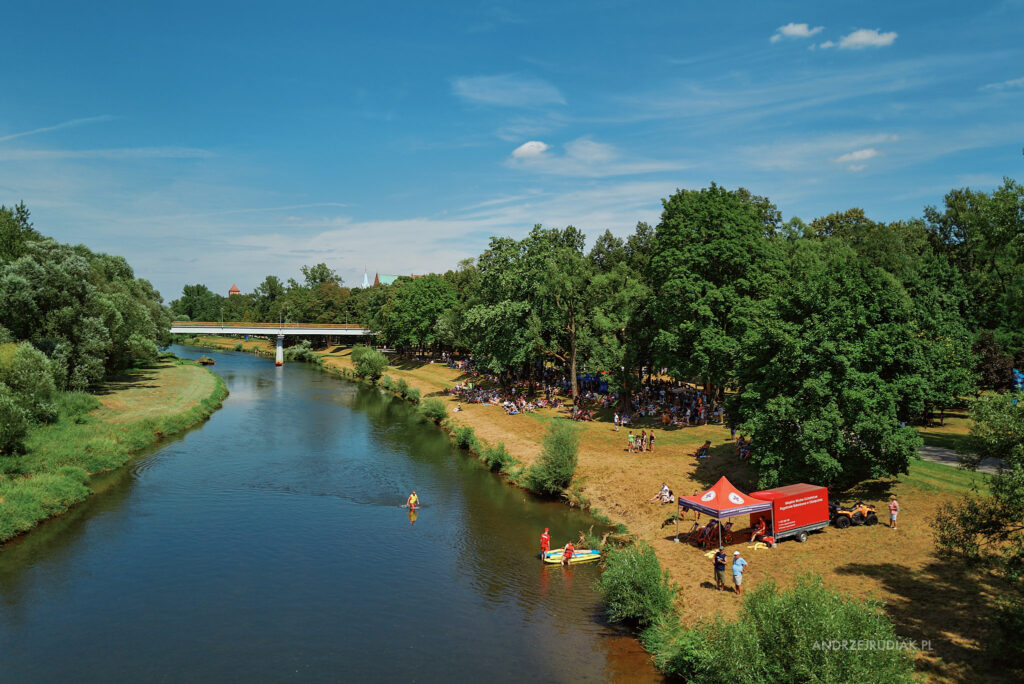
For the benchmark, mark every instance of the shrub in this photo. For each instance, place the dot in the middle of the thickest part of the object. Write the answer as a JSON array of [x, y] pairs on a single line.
[[783, 637], [497, 458], [29, 375], [433, 409], [466, 439], [553, 472], [386, 382], [371, 364], [1009, 619], [357, 352], [634, 586], [239, 347], [413, 395], [401, 387], [302, 352], [14, 421]]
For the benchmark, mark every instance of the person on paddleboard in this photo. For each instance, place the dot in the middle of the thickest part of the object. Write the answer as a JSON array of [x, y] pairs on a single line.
[[567, 553], [545, 543], [413, 501]]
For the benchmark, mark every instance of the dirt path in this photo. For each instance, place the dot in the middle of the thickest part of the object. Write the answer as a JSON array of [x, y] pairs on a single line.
[[937, 454]]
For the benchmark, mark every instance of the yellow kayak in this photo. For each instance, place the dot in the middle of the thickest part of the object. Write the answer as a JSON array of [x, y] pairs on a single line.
[[578, 556]]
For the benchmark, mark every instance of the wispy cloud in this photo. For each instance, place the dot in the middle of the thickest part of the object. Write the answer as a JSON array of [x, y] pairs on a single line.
[[57, 127], [810, 155], [584, 158], [792, 30], [126, 153], [855, 158], [1004, 85], [507, 90], [864, 38]]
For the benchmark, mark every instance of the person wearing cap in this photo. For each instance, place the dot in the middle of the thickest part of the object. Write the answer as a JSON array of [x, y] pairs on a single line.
[[738, 564], [720, 568], [545, 543]]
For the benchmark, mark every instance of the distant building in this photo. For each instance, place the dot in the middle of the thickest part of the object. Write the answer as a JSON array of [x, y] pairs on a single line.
[[234, 291], [366, 279]]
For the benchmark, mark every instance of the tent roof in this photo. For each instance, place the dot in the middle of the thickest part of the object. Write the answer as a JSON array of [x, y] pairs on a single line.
[[725, 501]]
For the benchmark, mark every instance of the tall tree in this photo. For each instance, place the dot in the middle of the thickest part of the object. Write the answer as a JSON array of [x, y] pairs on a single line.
[[413, 308]]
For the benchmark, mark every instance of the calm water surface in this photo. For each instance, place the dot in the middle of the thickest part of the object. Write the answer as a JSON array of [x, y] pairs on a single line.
[[269, 545]]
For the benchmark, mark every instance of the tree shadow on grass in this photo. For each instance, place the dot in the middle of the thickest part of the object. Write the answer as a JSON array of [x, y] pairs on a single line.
[[407, 364], [723, 461], [948, 606], [138, 377]]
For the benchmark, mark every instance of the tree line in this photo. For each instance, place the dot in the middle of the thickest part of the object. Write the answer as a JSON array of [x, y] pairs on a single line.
[[69, 317], [827, 340]]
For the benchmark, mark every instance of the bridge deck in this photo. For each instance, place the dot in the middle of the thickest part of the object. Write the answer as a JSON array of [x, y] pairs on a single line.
[[241, 328]]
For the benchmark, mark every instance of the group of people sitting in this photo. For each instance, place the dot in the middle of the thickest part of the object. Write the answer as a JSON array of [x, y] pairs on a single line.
[[743, 448], [664, 495]]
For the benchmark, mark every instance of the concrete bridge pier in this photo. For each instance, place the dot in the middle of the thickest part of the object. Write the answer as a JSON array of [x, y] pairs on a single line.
[[279, 356]]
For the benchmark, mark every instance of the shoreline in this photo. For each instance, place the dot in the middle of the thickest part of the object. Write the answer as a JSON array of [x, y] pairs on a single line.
[[136, 412], [899, 569]]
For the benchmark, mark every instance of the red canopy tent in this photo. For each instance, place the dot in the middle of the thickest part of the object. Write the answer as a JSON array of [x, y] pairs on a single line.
[[723, 500]]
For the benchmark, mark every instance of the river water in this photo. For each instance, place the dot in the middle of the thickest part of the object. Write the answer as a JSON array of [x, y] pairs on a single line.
[[269, 545]]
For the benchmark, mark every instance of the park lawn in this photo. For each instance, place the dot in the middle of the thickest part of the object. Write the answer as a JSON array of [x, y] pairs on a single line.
[[953, 434], [928, 596], [137, 410]]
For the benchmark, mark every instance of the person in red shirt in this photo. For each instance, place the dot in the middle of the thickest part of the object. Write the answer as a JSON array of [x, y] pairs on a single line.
[[545, 543], [567, 553]]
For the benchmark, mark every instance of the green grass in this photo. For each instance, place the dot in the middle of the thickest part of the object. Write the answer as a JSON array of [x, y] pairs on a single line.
[[937, 477], [51, 477]]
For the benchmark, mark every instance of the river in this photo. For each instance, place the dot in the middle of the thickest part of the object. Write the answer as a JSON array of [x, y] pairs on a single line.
[[269, 544]]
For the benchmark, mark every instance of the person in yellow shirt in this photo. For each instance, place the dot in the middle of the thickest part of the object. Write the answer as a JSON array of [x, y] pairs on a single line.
[[413, 501]]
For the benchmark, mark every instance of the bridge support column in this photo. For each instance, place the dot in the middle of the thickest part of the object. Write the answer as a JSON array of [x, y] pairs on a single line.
[[279, 357]]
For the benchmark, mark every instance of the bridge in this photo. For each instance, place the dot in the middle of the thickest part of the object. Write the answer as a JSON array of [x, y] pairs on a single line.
[[279, 329]]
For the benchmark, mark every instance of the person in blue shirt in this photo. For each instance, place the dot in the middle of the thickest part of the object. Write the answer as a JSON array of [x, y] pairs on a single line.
[[738, 564]]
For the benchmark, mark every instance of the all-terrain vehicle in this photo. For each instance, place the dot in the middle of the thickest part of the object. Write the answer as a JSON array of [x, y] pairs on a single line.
[[858, 514]]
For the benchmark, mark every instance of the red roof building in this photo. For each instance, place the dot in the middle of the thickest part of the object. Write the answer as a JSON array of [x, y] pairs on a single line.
[[234, 291]]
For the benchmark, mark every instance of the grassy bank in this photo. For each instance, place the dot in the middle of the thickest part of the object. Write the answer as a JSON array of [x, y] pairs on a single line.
[[129, 415], [927, 596]]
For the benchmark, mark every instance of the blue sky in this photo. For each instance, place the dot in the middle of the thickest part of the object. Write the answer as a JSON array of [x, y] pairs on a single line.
[[220, 142]]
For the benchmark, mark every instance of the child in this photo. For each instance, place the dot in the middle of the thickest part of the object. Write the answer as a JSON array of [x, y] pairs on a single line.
[[632, 442]]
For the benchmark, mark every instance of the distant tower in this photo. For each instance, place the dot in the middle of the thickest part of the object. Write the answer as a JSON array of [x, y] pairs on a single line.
[[234, 291], [366, 279]]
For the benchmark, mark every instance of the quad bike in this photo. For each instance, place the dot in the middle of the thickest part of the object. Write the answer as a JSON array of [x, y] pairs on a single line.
[[858, 514]]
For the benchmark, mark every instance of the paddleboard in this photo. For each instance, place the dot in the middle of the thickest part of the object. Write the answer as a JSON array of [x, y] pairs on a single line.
[[578, 556]]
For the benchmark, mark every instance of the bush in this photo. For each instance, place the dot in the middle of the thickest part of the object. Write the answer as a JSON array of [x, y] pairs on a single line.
[[357, 352], [433, 409], [413, 395], [370, 364], [302, 352], [553, 472], [29, 375], [14, 421], [239, 347], [634, 586], [401, 387], [497, 458], [465, 438], [784, 637], [386, 382], [1009, 619]]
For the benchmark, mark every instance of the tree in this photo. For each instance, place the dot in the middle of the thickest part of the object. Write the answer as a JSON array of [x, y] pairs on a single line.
[[555, 468], [826, 363], [711, 261], [16, 231], [992, 527], [413, 308], [198, 303], [370, 363], [995, 368]]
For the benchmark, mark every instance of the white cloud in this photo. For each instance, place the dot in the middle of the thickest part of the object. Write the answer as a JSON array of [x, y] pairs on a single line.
[[826, 45], [507, 90], [862, 38], [533, 148], [583, 158], [856, 156], [803, 155], [1003, 85], [55, 127], [792, 30]]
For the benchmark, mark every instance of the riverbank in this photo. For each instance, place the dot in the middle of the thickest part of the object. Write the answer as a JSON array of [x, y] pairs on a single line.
[[928, 598], [96, 433]]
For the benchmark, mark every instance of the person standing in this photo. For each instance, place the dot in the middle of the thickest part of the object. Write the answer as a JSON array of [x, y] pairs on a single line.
[[719, 562], [616, 421], [567, 553], [631, 441], [413, 502], [894, 510], [738, 565], [651, 442], [545, 543]]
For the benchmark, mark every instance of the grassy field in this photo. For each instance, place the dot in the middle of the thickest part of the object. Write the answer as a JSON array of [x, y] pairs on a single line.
[[952, 434], [130, 414]]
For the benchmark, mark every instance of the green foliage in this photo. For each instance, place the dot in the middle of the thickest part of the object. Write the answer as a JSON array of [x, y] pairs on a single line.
[[303, 352], [357, 352], [827, 366], [412, 309], [433, 409], [402, 387], [387, 383], [991, 527], [14, 422], [634, 586], [25, 501], [465, 438], [75, 406], [788, 636], [1009, 620], [413, 395], [370, 364], [554, 470], [239, 346], [497, 458], [29, 375]]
